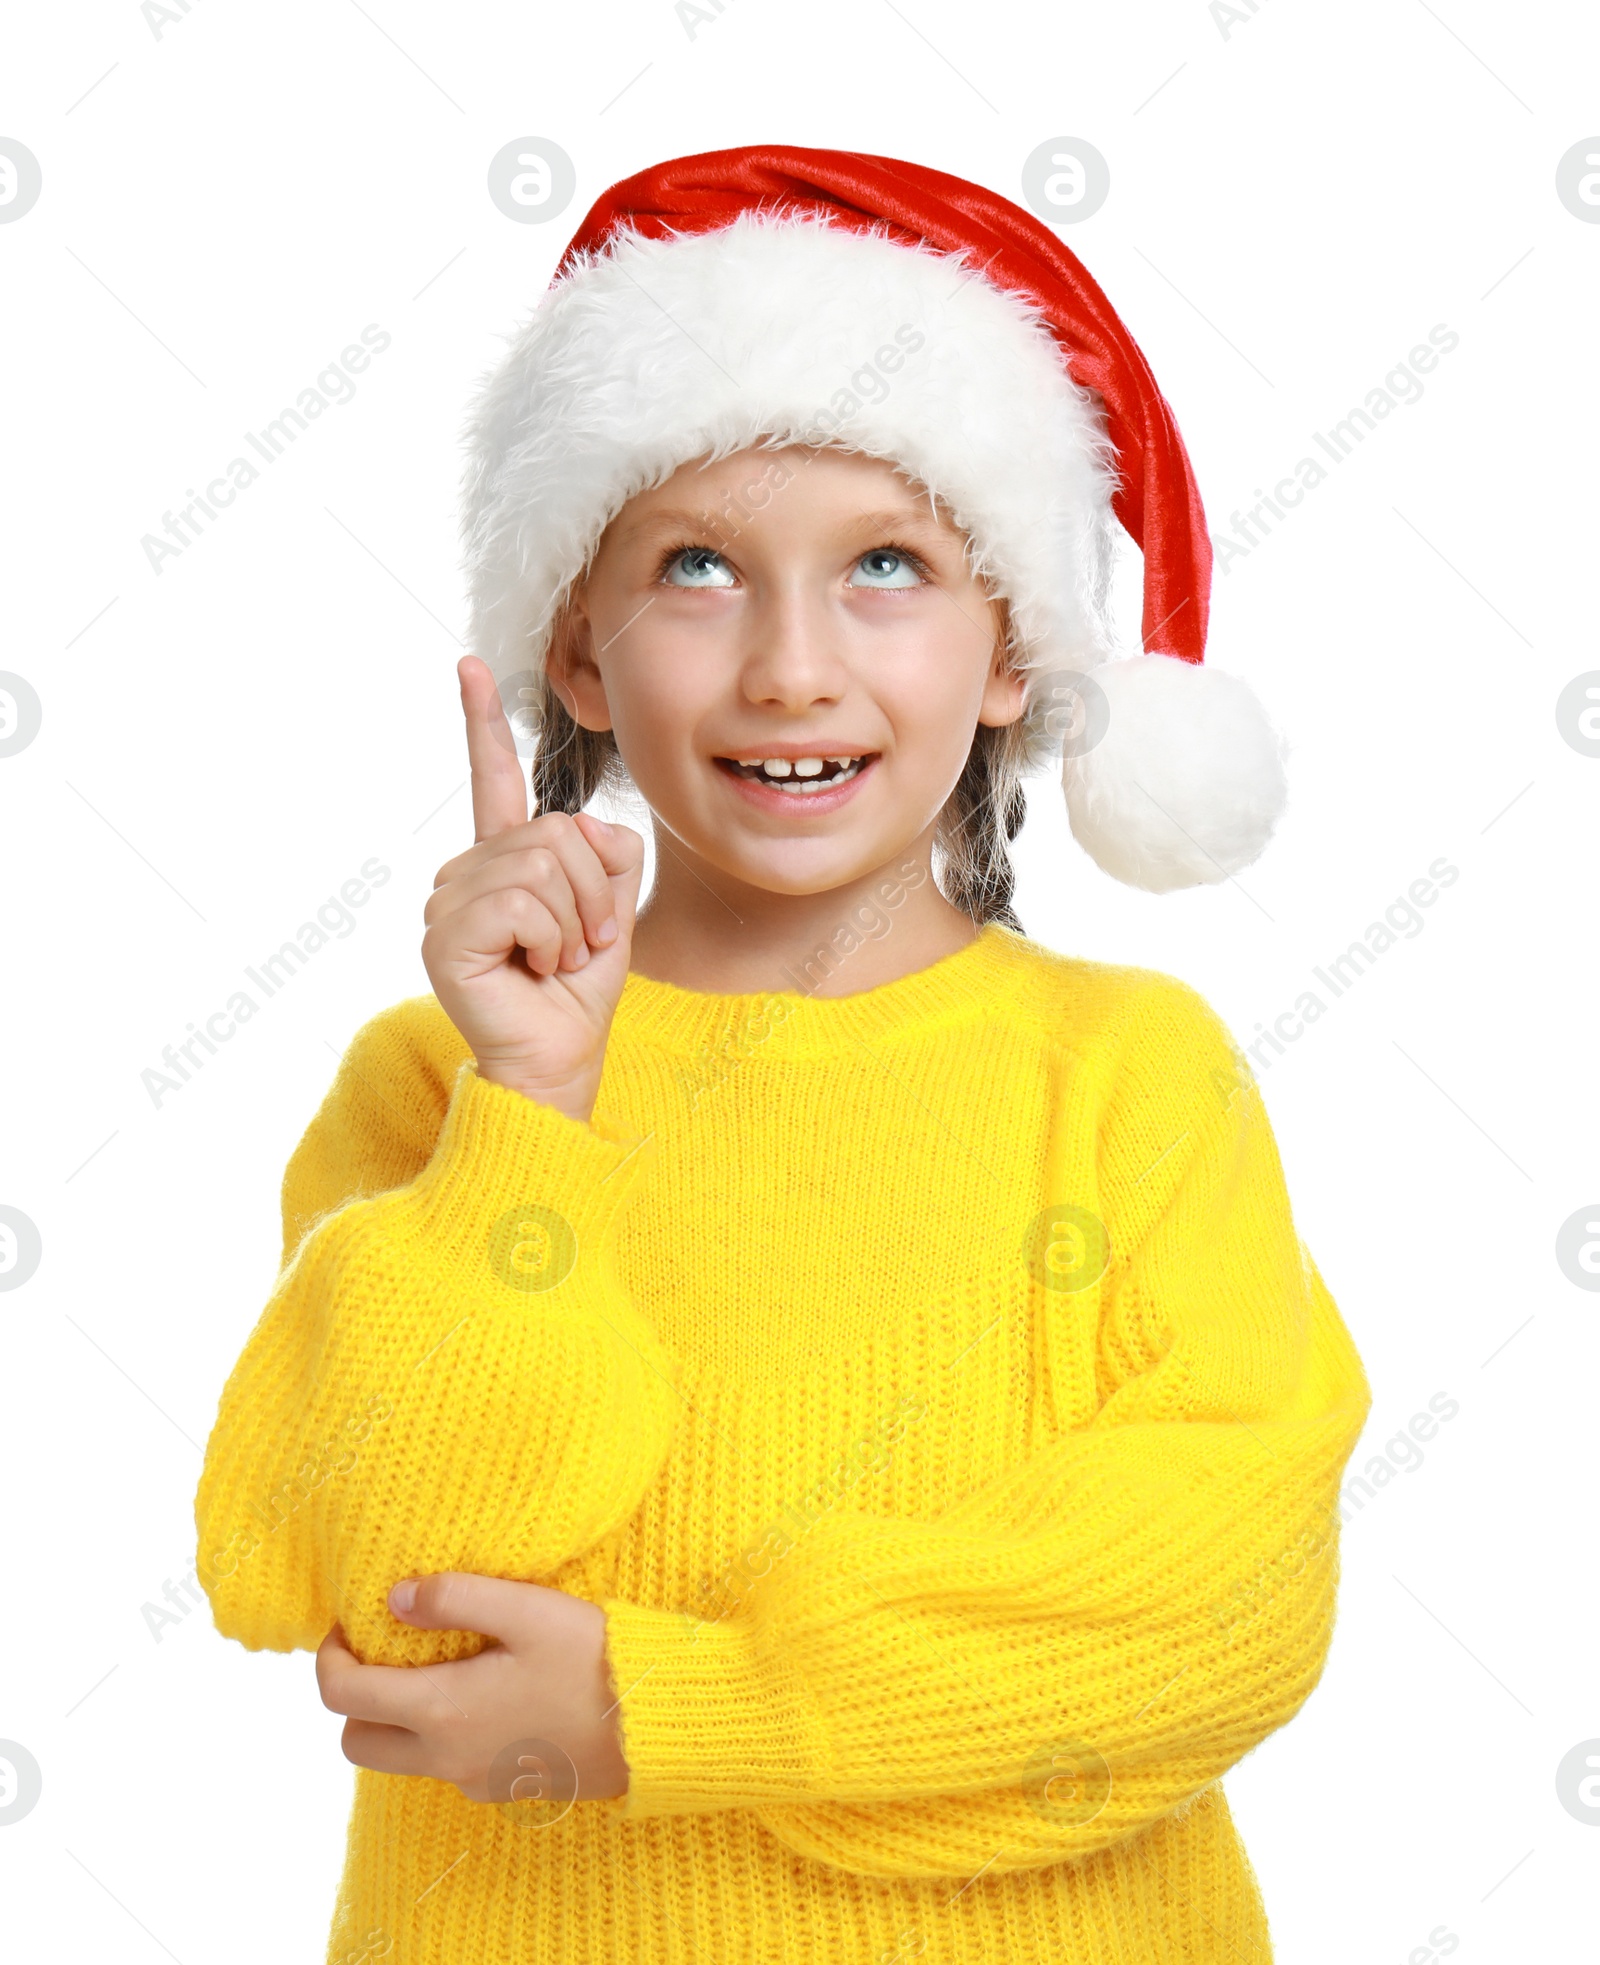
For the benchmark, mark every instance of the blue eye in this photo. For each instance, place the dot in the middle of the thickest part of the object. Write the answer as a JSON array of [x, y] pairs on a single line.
[[703, 567], [887, 566]]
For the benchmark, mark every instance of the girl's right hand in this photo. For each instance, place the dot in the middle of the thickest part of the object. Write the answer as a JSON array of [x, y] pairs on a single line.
[[516, 944]]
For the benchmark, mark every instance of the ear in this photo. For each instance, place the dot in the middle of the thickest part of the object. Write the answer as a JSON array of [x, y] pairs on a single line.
[[570, 667], [1005, 691]]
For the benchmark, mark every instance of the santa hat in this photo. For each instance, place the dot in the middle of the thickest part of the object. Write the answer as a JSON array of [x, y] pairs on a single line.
[[770, 295]]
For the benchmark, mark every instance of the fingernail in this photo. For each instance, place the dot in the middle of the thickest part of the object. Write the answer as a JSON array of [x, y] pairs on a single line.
[[606, 933], [402, 1597], [581, 958], [607, 830]]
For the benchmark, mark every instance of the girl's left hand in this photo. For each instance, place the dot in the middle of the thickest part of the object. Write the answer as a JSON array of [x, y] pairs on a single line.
[[487, 1723]]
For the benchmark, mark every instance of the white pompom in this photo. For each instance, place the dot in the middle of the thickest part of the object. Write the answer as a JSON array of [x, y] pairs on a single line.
[[1177, 777]]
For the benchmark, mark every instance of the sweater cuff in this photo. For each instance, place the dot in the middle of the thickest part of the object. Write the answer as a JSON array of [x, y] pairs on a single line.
[[521, 1185], [709, 1718]]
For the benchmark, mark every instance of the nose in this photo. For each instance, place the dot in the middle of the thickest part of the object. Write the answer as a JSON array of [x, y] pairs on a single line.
[[793, 657]]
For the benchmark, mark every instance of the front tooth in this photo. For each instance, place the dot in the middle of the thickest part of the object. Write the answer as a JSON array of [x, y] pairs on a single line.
[[775, 767], [808, 767]]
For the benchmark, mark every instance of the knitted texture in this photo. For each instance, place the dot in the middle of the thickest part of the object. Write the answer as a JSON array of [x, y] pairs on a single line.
[[932, 1387]]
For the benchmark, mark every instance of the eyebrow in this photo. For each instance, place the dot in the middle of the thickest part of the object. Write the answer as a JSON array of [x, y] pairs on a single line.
[[903, 518]]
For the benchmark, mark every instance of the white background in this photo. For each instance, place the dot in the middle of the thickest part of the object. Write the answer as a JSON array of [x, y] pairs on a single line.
[[1294, 203]]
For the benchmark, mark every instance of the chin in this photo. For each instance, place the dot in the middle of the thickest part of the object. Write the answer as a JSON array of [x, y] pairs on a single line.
[[797, 867]]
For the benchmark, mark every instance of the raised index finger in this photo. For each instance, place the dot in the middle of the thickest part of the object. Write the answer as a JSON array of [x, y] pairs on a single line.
[[499, 790]]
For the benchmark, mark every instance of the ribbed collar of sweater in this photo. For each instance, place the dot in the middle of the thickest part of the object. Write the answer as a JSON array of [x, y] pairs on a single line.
[[974, 979]]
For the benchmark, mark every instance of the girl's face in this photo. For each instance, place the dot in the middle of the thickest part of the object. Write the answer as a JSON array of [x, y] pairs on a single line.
[[797, 606]]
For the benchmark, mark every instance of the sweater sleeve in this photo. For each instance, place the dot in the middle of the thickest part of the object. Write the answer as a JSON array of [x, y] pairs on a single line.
[[448, 1373], [1085, 1643]]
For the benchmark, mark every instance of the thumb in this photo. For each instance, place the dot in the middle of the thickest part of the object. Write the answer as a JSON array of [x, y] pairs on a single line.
[[459, 1600]]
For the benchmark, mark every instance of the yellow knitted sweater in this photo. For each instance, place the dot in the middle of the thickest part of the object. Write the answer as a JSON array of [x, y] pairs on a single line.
[[931, 1385]]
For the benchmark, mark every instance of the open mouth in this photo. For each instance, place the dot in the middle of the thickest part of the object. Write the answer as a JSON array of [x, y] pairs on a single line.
[[799, 777]]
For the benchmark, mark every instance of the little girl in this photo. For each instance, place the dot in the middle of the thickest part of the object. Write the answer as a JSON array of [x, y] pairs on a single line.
[[797, 1421]]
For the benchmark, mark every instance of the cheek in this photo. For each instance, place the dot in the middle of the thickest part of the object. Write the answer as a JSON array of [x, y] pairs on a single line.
[[666, 680], [928, 673]]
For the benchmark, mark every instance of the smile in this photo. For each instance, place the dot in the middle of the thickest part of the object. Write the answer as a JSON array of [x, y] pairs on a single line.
[[800, 776], [775, 781]]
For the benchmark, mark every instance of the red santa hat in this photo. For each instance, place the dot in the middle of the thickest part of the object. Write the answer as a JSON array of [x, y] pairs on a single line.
[[772, 295]]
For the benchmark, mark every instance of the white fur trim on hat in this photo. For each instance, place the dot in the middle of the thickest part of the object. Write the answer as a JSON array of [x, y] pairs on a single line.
[[1174, 776], [787, 328]]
